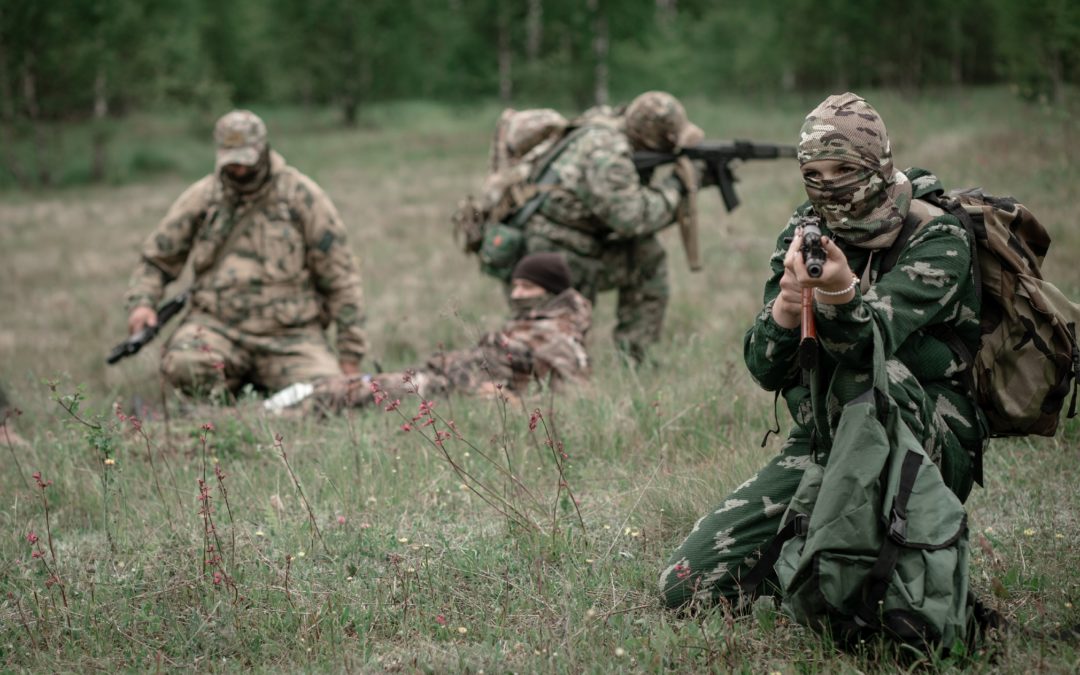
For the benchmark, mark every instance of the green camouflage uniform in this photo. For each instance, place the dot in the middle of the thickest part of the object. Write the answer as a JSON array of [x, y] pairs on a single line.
[[931, 284], [258, 308], [544, 344], [604, 221], [930, 289]]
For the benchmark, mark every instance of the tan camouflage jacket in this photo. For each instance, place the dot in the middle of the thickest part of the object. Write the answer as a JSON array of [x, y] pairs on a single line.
[[599, 192], [289, 264]]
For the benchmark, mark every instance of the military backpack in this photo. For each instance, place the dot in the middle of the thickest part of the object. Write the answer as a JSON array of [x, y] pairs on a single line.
[[1028, 359], [495, 230]]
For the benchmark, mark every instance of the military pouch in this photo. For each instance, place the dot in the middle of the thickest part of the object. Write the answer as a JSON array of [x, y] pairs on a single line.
[[501, 249], [468, 222]]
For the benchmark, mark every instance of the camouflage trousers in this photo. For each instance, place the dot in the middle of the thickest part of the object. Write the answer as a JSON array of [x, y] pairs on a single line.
[[476, 372], [636, 268], [204, 356], [725, 543]]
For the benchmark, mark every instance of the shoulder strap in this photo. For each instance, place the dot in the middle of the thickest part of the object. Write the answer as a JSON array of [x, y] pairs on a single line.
[[919, 214], [230, 236], [922, 211], [543, 176]]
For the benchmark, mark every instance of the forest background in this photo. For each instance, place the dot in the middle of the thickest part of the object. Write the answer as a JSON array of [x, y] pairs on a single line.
[[222, 538], [101, 60]]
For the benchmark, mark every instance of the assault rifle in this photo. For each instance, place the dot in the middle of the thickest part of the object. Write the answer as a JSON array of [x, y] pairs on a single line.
[[813, 254], [717, 156], [137, 341]]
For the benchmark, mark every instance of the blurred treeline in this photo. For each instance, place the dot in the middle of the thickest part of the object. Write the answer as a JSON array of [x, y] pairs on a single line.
[[98, 60]]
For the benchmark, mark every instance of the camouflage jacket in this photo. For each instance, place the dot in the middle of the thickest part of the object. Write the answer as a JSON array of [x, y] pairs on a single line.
[[288, 264], [599, 194], [546, 343], [929, 286]]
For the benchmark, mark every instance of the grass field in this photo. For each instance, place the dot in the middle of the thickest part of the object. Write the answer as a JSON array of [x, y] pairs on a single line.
[[351, 545]]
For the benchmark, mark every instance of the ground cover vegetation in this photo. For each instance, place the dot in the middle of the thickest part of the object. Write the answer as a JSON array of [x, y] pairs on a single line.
[[459, 534]]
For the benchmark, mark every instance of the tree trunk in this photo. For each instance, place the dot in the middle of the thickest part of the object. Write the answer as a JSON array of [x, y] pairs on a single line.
[[7, 120], [666, 11], [506, 56], [33, 111], [534, 29], [100, 135], [956, 69], [600, 52], [350, 110]]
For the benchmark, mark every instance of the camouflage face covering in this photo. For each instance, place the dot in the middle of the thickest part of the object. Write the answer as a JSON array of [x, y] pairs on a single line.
[[520, 307], [865, 208]]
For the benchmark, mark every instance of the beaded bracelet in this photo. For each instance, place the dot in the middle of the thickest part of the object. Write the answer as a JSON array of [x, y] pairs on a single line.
[[854, 281]]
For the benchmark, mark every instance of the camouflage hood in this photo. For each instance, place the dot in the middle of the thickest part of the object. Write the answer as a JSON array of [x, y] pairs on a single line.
[[867, 207], [570, 307]]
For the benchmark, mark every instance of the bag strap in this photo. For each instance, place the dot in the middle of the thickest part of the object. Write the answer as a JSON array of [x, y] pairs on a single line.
[[877, 580], [913, 222], [795, 527], [543, 176], [974, 230]]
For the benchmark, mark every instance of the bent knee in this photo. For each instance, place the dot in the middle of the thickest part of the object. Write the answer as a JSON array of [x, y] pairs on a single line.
[[190, 370]]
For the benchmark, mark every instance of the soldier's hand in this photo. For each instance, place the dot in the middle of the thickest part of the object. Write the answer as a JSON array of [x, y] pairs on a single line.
[[349, 367], [688, 173], [787, 308], [140, 318]]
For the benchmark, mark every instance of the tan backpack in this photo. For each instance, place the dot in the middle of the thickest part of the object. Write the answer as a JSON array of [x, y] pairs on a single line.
[[1028, 361]]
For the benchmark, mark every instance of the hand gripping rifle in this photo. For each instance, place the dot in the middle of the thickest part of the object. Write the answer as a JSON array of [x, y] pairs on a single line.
[[137, 341], [717, 157]]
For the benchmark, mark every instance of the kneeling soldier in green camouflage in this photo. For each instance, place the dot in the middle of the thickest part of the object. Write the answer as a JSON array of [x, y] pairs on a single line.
[[864, 203], [544, 341], [272, 269]]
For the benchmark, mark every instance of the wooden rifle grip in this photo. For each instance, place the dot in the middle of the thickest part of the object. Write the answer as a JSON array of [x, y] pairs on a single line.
[[808, 343]]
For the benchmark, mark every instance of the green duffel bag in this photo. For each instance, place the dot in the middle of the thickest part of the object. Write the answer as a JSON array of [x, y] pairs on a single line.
[[876, 542]]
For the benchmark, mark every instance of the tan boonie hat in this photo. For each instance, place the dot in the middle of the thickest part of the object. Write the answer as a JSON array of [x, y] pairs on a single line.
[[657, 121], [240, 137]]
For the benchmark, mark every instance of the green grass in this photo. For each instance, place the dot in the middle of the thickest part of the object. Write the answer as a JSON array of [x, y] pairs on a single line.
[[418, 558]]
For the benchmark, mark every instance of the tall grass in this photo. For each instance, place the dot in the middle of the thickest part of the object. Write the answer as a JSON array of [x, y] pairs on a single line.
[[410, 570]]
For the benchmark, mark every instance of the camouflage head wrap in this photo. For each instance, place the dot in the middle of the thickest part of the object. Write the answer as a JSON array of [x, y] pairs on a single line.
[[867, 207], [657, 121]]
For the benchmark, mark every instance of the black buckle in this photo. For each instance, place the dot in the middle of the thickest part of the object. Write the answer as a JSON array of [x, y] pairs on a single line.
[[897, 526]]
